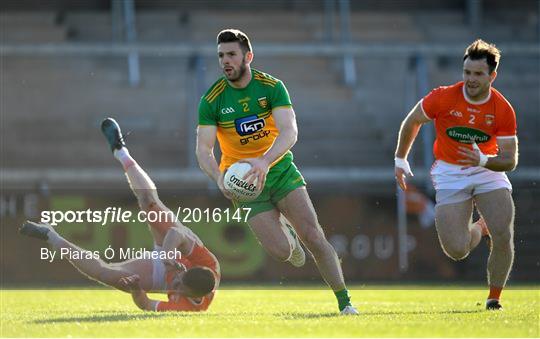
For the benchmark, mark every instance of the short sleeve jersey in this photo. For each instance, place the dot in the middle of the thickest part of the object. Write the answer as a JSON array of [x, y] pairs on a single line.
[[245, 125], [200, 257], [460, 121]]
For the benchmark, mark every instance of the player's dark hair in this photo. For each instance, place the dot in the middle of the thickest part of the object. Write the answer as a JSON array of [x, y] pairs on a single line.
[[235, 35], [199, 280], [480, 49]]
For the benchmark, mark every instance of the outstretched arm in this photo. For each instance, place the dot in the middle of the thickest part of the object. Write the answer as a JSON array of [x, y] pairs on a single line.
[[139, 296], [142, 301], [407, 134]]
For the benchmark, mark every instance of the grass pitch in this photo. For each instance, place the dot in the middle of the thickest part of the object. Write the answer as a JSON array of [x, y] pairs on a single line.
[[273, 313]]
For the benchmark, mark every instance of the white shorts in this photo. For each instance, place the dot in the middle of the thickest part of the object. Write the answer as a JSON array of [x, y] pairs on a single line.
[[158, 273], [453, 185]]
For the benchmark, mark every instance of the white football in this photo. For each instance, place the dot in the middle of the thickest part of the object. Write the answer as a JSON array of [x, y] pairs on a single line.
[[239, 188]]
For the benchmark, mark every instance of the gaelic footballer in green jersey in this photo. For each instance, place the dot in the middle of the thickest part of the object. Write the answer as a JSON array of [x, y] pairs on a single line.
[[245, 125], [250, 114]]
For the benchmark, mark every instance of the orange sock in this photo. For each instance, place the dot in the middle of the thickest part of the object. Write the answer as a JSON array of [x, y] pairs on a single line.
[[494, 292]]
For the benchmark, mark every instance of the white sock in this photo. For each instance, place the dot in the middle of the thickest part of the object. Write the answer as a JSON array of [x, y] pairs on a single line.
[[288, 235], [121, 154], [124, 157]]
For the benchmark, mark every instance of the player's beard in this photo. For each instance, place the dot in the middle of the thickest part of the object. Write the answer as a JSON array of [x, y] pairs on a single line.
[[237, 75], [480, 91]]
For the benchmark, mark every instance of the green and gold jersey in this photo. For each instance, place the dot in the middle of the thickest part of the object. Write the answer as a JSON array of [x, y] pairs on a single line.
[[245, 125]]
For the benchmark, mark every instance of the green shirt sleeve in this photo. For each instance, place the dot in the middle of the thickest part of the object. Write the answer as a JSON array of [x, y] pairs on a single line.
[[207, 116], [280, 96]]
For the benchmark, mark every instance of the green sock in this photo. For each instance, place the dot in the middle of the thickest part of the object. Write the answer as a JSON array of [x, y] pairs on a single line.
[[343, 298]]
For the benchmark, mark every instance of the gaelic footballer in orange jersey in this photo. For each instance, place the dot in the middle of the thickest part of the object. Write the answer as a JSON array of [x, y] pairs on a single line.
[[200, 256], [245, 126], [189, 277], [476, 144], [459, 121]]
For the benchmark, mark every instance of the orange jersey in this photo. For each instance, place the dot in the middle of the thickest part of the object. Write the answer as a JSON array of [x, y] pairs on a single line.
[[460, 121], [200, 257]]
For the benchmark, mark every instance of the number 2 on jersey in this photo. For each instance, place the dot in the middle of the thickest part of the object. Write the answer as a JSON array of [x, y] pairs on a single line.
[[246, 107]]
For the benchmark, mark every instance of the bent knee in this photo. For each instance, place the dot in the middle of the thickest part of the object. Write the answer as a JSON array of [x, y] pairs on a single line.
[[280, 252], [314, 239], [456, 252]]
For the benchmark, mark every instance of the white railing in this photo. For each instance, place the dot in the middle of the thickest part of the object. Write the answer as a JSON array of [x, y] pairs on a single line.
[[268, 49]]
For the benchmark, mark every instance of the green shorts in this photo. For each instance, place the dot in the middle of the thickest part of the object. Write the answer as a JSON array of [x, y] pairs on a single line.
[[282, 179]]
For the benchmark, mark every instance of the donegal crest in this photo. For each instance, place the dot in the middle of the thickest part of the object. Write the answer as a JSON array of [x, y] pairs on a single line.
[[263, 102]]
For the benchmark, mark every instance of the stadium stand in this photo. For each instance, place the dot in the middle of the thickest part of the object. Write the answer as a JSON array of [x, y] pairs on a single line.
[[52, 104], [77, 91]]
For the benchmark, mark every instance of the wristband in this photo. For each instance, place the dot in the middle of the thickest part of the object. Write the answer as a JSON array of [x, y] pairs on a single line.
[[403, 164], [483, 158]]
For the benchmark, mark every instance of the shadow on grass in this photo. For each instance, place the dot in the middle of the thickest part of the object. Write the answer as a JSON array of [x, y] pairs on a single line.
[[104, 316], [114, 317], [299, 315], [424, 312], [118, 317]]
